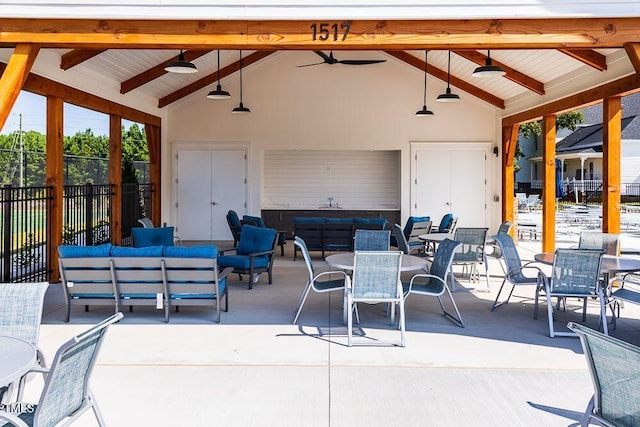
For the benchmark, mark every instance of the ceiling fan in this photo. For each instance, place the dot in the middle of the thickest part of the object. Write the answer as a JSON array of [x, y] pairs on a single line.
[[329, 59]]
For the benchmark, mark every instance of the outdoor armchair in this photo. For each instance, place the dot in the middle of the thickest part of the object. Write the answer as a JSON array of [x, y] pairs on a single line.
[[614, 366], [328, 283], [471, 253], [234, 225], [371, 240], [66, 394], [254, 254], [514, 270], [21, 314], [436, 280], [376, 279], [574, 274], [259, 222]]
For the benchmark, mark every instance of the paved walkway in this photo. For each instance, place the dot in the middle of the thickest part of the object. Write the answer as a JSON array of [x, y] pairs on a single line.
[[257, 369]]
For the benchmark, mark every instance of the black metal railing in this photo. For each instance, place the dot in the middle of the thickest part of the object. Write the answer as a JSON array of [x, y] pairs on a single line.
[[85, 216], [136, 204]]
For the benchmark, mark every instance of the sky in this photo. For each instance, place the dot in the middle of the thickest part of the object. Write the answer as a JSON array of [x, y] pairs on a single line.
[[33, 109]]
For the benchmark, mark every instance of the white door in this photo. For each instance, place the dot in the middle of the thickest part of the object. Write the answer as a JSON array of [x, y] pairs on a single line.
[[451, 180], [209, 184]]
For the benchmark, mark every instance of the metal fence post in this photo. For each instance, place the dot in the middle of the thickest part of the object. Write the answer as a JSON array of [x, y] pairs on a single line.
[[88, 214], [7, 233]]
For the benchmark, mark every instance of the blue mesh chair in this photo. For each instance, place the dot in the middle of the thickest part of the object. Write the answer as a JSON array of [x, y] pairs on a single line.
[[66, 394], [371, 240], [376, 279], [606, 242], [514, 270], [328, 284], [614, 366], [471, 253], [254, 254], [21, 314], [574, 274], [493, 249], [436, 283]]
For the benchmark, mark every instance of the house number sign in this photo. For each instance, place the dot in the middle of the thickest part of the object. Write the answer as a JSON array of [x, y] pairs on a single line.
[[324, 30]]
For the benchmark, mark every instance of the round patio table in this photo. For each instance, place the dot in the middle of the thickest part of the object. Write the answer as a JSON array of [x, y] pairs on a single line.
[[16, 358]]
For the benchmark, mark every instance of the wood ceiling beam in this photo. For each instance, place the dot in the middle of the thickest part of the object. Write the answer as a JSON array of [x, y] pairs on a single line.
[[212, 78], [157, 71], [13, 77], [588, 56], [563, 33], [78, 56], [46, 87], [455, 81], [620, 87], [513, 75], [633, 52]]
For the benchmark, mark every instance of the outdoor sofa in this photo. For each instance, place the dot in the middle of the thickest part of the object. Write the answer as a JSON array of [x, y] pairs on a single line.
[[161, 276]]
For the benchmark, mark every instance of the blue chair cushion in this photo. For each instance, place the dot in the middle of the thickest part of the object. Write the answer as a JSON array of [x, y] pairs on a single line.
[[411, 221], [255, 219], [68, 251], [233, 218], [311, 220], [147, 251], [255, 239], [445, 223], [207, 251], [241, 262], [160, 236]]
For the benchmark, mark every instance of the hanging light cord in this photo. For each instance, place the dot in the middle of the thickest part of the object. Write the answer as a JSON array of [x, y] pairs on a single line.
[[424, 98], [218, 67], [449, 70], [240, 77]]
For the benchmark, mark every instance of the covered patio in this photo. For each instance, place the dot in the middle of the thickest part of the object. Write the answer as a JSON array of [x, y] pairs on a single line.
[[256, 368]]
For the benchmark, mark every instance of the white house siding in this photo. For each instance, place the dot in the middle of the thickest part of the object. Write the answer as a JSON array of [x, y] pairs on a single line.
[[330, 108], [630, 164]]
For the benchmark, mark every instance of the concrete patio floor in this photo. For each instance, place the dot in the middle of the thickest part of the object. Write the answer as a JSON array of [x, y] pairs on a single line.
[[257, 369]]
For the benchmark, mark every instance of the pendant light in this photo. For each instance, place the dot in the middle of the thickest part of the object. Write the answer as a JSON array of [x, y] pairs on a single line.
[[240, 109], [448, 96], [488, 69], [181, 66], [425, 112], [218, 93]]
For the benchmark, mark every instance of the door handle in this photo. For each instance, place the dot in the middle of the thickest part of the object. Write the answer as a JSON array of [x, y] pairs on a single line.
[[214, 203]]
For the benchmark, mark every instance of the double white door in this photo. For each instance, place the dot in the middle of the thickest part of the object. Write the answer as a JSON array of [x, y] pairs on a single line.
[[209, 184], [452, 179]]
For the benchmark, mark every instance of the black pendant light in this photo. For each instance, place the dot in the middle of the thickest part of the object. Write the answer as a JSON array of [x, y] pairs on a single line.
[[181, 66], [425, 112], [448, 96], [488, 69], [219, 93], [240, 109]]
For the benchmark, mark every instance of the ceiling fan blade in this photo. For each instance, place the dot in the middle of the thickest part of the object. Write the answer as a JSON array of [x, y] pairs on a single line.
[[361, 61], [328, 59], [309, 65]]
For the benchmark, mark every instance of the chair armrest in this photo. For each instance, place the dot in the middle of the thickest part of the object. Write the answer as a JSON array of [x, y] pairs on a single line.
[[426, 275], [224, 251], [224, 273], [255, 254], [525, 267], [326, 273]]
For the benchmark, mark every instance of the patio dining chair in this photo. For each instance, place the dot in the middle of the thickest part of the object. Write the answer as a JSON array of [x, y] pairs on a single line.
[[575, 274], [327, 284], [494, 249], [614, 366], [147, 223], [471, 253], [66, 394], [371, 240], [20, 316], [606, 242], [436, 280], [376, 279], [402, 243], [514, 273]]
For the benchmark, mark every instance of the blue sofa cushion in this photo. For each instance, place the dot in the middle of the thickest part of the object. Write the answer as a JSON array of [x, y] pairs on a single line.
[[159, 236], [68, 251], [241, 262], [254, 219], [311, 220], [255, 239], [339, 220], [410, 221], [222, 284], [208, 251], [148, 251]]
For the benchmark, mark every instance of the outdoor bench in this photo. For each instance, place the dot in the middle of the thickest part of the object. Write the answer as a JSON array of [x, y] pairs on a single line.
[[332, 234], [161, 276]]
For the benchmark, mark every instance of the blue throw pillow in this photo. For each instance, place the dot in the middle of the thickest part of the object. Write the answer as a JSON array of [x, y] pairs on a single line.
[[254, 220], [208, 251], [255, 239], [68, 251], [147, 251], [160, 236]]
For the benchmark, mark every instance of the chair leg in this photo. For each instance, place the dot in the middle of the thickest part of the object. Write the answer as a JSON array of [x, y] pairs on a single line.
[[497, 304], [349, 322], [401, 321], [457, 320], [587, 414], [603, 312], [96, 409], [303, 298], [550, 316]]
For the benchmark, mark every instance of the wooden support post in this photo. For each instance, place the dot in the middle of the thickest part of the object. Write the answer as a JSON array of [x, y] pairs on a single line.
[[549, 184], [155, 177], [509, 142], [611, 156], [55, 178], [14, 76], [115, 178]]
